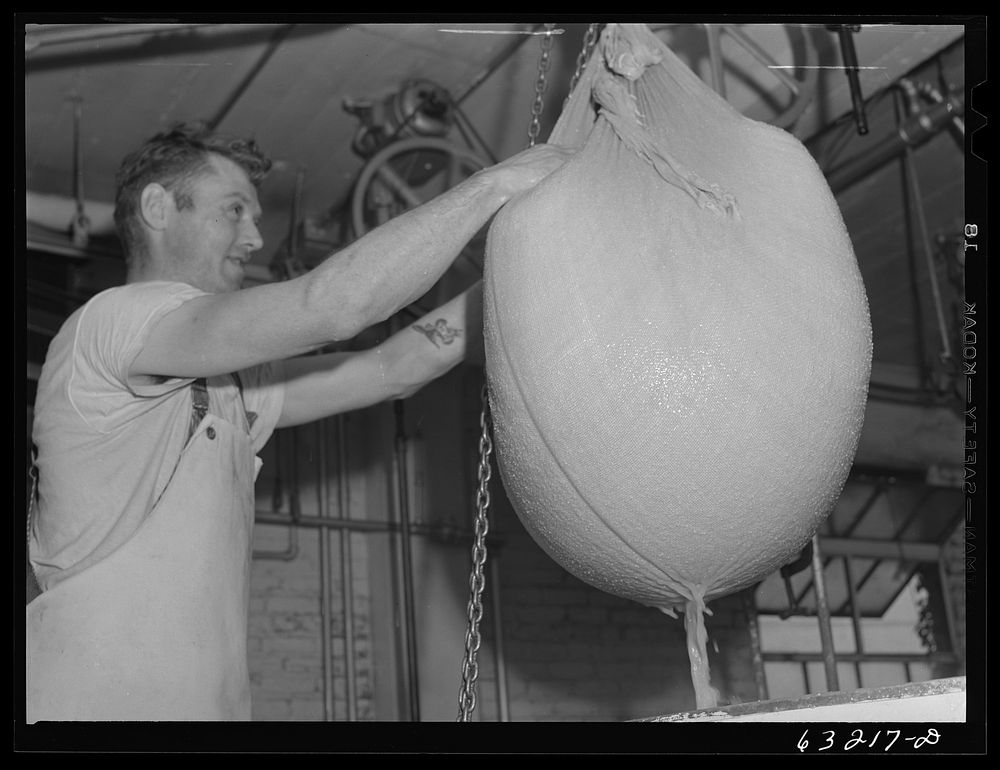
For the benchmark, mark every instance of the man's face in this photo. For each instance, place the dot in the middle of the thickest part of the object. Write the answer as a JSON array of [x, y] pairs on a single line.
[[210, 242]]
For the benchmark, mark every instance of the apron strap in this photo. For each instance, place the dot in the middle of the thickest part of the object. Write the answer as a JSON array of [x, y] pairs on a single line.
[[199, 399], [199, 408], [251, 416], [199, 405]]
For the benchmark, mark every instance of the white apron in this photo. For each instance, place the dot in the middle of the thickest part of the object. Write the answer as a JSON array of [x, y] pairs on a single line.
[[157, 630]]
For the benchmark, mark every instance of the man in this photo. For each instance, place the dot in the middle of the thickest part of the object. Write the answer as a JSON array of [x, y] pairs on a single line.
[[156, 396]]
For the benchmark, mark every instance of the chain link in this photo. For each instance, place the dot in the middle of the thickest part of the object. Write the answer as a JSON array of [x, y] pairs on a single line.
[[31, 498], [589, 40], [33, 586], [543, 70], [477, 580]]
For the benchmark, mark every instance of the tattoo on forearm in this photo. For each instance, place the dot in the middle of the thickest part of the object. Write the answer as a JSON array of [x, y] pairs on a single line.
[[439, 331]]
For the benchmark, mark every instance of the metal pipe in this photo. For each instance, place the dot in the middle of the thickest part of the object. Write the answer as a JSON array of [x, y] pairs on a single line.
[[291, 551], [920, 348], [911, 133], [823, 616], [850, 57], [38, 35], [715, 59], [324, 564], [445, 533], [493, 66], [402, 485], [80, 229], [503, 699], [868, 657], [927, 91], [881, 549], [859, 646], [918, 204], [293, 220], [763, 57], [753, 628], [346, 569]]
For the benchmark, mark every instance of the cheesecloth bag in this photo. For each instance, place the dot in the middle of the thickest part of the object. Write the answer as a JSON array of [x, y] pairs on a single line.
[[677, 339]]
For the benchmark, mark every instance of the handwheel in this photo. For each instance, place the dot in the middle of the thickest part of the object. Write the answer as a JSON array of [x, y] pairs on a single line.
[[740, 64], [407, 174]]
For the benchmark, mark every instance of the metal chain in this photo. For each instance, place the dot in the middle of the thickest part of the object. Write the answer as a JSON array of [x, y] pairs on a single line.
[[31, 498], [477, 580], [543, 69], [32, 578], [589, 40]]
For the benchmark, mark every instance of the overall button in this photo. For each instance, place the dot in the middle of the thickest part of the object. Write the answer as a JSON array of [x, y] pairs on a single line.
[[210, 432]]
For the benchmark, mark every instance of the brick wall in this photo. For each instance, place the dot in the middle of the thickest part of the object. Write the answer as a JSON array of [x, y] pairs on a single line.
[[285, 640], [570, 652]]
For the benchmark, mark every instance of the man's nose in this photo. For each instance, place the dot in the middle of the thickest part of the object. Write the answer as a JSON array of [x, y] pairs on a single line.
[[252, 237]]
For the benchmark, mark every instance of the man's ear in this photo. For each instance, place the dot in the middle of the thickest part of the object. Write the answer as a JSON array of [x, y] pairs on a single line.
[[155, 205]]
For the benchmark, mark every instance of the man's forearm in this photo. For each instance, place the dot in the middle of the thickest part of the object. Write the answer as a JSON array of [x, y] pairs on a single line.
[[399, 261], [434, 344]]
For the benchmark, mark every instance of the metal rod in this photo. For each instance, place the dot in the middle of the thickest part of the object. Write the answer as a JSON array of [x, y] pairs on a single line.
[[293, 223], [880, 549], [859, 646], [753, 628], [823, 616], [346, 568], [405, 551], [493, 66], [715, 59], [272, 47], [503, 700], [324, 562], [39, 35], [464, 124], [763, 57], [868, 657], [291, 551], [918, 205], [447, 533], [911, 133], [850, 58], [77, 155], [949, 607], [80, 228]]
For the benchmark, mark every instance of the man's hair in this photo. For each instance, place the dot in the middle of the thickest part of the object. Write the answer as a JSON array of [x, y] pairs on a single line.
[[175, 158]]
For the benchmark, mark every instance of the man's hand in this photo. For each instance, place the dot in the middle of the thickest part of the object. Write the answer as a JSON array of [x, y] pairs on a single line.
[[523, 171], [320, 386]]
